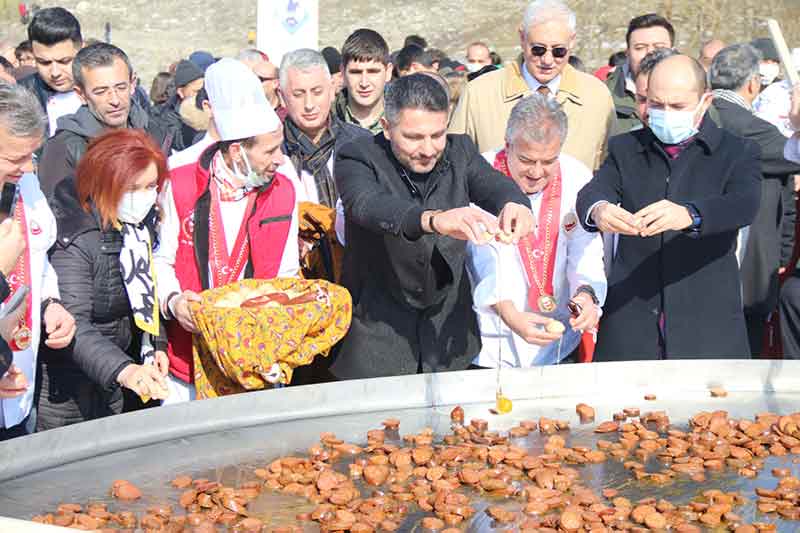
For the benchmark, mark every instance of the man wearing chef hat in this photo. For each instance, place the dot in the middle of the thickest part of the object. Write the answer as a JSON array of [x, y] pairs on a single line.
[[229, 215]]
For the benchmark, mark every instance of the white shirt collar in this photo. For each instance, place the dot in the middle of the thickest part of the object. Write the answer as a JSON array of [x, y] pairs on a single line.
[[630, 83], [534, 84]]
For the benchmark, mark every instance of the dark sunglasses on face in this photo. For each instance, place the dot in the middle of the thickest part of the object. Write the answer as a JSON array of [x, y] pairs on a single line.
[[539, 50]]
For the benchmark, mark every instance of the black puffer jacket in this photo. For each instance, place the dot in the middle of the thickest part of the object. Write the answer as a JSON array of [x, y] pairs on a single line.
[[86, 260]]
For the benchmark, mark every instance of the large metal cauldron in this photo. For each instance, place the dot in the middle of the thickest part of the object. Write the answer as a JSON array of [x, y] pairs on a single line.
[[225, 438]]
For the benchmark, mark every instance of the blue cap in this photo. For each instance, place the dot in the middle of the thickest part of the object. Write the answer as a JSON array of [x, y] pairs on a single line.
[[202, 59]]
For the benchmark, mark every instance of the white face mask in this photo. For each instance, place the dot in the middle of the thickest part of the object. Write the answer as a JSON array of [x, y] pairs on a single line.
[[250, 178], [769, 72], [134, 205], [474, 67]]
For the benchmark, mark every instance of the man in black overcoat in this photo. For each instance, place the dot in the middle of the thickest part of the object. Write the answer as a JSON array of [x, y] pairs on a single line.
[[736, 82], [677, 193], [407, 194]]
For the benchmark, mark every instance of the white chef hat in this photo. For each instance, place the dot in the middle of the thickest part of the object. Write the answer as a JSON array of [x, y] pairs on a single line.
[[240, 109]]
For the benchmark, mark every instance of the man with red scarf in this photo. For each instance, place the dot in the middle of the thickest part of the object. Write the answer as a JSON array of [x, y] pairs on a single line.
[[519, 290], [25, 262], [229, 215]]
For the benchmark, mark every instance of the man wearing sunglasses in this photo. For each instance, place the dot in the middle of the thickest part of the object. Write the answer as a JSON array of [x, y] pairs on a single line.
[[547, 37], [267, 74]]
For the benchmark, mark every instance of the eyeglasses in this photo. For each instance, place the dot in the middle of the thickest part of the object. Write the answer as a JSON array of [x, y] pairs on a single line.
[[539, 50]]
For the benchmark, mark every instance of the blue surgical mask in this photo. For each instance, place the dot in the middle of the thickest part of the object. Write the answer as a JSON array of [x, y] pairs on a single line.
[[673, 127]]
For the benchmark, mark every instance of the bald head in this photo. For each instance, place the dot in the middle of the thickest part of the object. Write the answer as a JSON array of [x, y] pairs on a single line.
[[709, 50], [678, 83], [680, 72]]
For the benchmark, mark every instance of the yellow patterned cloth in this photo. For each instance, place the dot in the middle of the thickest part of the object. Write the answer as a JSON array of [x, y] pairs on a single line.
[[237, 346]]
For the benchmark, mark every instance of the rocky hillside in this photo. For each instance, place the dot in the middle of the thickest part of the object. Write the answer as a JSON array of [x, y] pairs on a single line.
[[156, 32]]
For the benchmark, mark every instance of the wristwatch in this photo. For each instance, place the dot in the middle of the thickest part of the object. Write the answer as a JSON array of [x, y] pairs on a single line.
[[48, 301], [590, 291], [697, 220], [431, 216]]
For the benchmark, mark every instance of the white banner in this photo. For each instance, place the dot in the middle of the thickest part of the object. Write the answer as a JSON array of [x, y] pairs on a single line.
[[286, 25]]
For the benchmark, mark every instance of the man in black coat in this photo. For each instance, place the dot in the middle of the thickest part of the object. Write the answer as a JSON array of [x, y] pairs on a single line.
[[407, 194], [677, 193], [736, 82], [104, 80], [790, 291], [188, 80]]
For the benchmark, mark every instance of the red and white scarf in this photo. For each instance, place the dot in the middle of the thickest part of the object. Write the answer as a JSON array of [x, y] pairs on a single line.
[[21, 275], [225, 187], [532, 248]]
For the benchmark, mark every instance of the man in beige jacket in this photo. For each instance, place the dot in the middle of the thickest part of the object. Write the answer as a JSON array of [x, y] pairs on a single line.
[[547, 36]]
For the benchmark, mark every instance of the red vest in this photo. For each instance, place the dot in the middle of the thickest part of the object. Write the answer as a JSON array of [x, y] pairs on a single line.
[[268, 228]]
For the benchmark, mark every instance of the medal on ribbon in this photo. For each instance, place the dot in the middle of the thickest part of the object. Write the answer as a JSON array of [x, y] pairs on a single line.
[[538, 251], [21, 276]]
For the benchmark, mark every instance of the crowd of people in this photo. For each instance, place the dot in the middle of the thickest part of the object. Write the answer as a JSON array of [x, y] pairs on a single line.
[[479, 213]]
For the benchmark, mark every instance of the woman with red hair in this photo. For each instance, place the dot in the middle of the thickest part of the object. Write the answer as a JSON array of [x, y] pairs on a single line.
[[103, 257]]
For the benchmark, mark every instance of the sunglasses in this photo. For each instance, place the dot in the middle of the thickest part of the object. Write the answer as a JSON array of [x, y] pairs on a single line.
[[575, 308], [539, 50], [266, 79]]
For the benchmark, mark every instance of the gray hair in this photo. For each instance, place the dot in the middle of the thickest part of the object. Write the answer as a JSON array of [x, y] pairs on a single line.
[[302, 59], [250, 55], [97, 55], [540, 11], [734, 66], [21, 113], [653, 58], [415, 91], [536, 118]]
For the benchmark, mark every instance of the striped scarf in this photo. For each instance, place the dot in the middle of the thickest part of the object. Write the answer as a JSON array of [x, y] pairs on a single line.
[[313, 158]]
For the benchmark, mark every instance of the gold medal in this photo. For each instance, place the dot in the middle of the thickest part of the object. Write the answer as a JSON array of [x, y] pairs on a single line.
[[547, 303], [22, 337]]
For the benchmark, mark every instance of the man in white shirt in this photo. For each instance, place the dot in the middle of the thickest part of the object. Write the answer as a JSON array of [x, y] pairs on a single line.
[[55, 36], [519, 290], [22, 124], [230, 215]]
